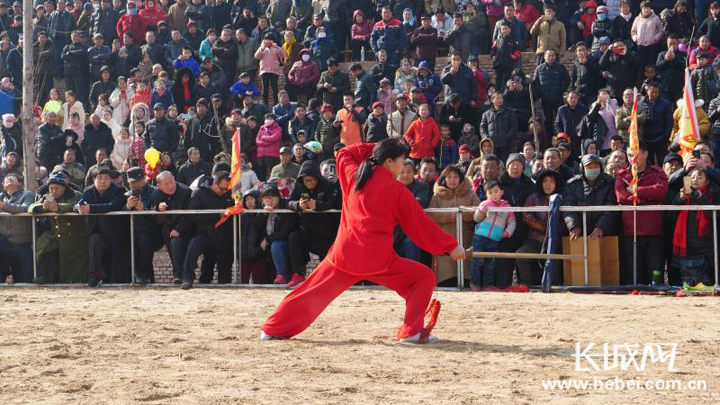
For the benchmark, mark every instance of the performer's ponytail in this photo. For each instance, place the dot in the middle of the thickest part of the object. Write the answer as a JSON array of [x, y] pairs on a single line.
[[390, 148]]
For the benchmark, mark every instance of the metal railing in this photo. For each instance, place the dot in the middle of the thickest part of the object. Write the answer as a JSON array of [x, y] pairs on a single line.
[[237, 259]]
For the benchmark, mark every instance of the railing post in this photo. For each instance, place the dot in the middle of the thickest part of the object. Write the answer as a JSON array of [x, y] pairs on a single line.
[[460, 263], [132, 249], [235, 249], [585, 248], [34, 248], [715, 247]]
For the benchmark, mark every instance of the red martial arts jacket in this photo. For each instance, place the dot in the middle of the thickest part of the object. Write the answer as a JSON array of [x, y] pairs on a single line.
[[369, 217]]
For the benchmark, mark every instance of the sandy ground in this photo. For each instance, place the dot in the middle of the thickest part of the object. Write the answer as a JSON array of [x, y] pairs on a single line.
[[201, 346]]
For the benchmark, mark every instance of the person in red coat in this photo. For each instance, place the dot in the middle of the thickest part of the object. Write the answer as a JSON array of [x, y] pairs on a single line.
[[652, 189], [132, 22], [303, 77], [423, 135], [374, 203], [152, 14]]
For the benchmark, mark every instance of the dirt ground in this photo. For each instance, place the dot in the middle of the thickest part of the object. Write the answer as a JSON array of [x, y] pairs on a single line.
[[170, 346]]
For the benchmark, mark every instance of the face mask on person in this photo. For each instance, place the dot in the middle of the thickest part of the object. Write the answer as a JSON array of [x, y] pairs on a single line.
[[132, 11], [601, 17], [321, 35], [592, 174], [269, 122], [306, 58]]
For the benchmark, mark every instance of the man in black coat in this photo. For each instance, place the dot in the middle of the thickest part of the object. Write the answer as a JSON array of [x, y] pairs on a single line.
[[670, 66], [171, 196], [146, 231], [213, 193], [161, 133], [202, 132], [589, 188], [97, 136], [104, 21], [51, 142], [568, 118], [109, 241], [193, 168], [549, 83], [460, 79], [311, 193], [77, 65], [500, 125], [622, 65]]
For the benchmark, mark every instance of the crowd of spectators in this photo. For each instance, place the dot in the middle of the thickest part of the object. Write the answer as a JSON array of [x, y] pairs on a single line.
[[298, 79]]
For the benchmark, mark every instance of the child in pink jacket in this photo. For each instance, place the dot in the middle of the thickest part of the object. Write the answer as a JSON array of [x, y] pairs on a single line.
[[268, 141]]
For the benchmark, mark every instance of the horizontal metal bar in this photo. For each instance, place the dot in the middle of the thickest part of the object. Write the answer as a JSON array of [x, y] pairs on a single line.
[[512, 255], [202, 286], [615, 208]]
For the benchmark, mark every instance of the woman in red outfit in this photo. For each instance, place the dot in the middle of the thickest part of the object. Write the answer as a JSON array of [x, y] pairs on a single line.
[[374, 202]]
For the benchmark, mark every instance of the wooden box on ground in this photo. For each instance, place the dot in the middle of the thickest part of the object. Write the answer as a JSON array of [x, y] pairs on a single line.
[[603, 262]]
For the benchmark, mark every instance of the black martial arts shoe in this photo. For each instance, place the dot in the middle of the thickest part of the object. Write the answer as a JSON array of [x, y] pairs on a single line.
[[186, 285], [141, 281]]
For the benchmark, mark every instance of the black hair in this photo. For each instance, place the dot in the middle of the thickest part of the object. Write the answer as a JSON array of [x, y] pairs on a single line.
[[712, 158], [220, 176], [429, 160], [491, 158], [490, 184], [447, 170], [389, 148], [355, 66]]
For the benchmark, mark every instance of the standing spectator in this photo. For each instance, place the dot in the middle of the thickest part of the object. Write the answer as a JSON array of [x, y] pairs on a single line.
[[202, 132], [519, 29], [586, 77], [452, 190], [270, 57], [193, 168], [76, 63], [365, 88], [146, 231], [459, 80], [704, 47], [623, 117], [50, 141], [423, 135], [176, 15], [61, 24], [389, 34], [152, 14], [678, 21], [568, 119], [43, 56], [424, 40], [286, 168], [711, 26], [600, 28], [131, 22], [16, 232], [549, 33], [647, 32], [300, 122], [550, 82], [161, 133], [548, 182], [62, 249], [494, 10], [104, 21], [622, 65], [109, 236], [226, 52], [500, 125], [429, 83], [399, 120], [658, 125], [210, 240], [97, 136], [323, 48], [327, 131], [670, 66], [460, 38], [652, 188], [591, 187], [383, 69], [333, 84], [268, 142], [505, 54]]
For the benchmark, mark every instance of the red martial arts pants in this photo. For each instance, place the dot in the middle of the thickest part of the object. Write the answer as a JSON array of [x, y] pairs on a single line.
[[411, 280]]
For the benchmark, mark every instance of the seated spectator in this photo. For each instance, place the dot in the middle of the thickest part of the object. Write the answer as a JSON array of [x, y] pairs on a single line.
[[109, 238], [464, 158], [10, 164], [268, 141], [242, 86], [251, 108], [209, 240], [455, 115], [97, 136], [406, 73], [404, 246], [303, 77], [275, 230], [16, 254], [360, 33], [452, 190], [703, 79], [186, 61], [286, 169], [327, 131], [548, 182], [365, 88], [692, 240], [552, 160], [193, 168], [568, 118], [202, 132], [386, 96], [62, 253], [310, 193], [50, 141], [252, 257], [76, 171]]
